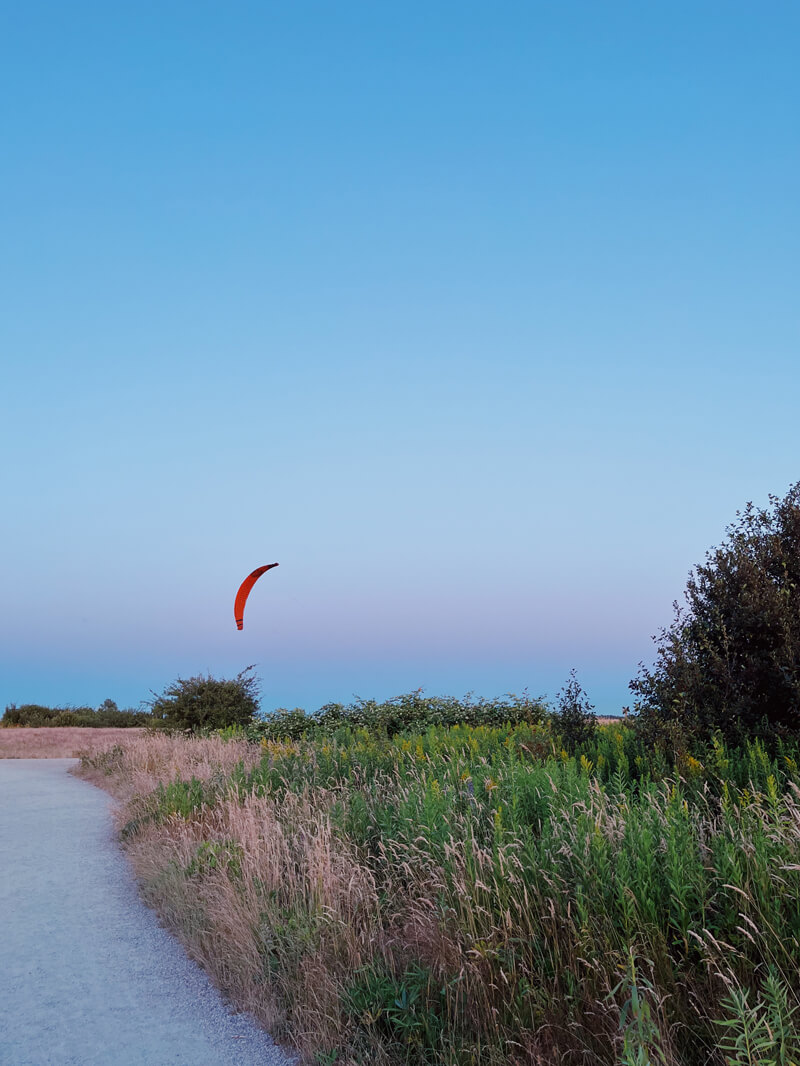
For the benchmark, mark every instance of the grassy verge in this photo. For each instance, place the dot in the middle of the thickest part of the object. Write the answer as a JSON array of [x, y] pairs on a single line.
[[59, 742], [475, 895]]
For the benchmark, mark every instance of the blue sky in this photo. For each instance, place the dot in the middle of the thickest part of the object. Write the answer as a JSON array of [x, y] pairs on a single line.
[[481, 319]]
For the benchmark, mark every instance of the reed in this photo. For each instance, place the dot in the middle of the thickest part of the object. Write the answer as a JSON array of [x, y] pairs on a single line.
[[477, 895]]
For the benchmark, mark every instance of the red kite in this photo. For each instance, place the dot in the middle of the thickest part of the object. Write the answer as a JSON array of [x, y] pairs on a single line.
[[244, 592]]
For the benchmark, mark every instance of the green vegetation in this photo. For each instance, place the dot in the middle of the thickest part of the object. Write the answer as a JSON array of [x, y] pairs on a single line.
[[730, 661], [477, 894], [107, 715], [574, 720], [201, 703], [476, 882], [410, 712]]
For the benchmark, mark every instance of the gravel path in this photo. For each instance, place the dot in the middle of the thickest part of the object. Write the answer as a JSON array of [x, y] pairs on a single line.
[[87, 975]]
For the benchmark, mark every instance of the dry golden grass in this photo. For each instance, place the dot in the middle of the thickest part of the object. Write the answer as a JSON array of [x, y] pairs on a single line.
[[152, 758], [280, 849], [59, 742], [221, 919]]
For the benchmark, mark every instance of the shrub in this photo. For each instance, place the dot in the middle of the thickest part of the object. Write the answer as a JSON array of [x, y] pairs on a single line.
[[34, 714], [730, 661], [199, 703], [29, 714], [409, 713], [574, 720]]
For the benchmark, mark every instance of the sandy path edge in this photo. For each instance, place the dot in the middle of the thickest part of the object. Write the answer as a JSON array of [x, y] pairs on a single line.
[[87, 975]]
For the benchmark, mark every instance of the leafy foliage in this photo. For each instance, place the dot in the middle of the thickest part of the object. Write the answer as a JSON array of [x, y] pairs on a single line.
[[730, 661], [765, 1032], [575, 719], [409, 713], [201, 703], [405, 1010]]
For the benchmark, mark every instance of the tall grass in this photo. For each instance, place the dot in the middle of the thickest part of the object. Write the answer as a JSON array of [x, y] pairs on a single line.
[[59, 742], [476, 895]]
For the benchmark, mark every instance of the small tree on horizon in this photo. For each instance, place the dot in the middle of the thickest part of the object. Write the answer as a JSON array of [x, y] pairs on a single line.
[[575, 719]]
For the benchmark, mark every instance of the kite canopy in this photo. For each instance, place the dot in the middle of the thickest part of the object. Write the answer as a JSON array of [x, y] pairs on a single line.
[[244, 592]]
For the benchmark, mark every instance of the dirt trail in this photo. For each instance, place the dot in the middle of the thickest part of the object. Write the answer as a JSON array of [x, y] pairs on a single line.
[[87, 976]]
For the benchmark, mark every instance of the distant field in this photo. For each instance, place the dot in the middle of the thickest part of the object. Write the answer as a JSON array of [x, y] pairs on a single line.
[[60, 742]]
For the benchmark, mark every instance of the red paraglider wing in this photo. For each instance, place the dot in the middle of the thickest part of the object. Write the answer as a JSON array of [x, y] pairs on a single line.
[[244, 592]]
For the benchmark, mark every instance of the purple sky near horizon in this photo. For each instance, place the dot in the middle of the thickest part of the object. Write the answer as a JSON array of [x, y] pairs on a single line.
[[481, 321]]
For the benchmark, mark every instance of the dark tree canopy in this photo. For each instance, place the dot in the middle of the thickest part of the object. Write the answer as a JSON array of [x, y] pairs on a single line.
[[574, 720], [730, 661], [199, 703]]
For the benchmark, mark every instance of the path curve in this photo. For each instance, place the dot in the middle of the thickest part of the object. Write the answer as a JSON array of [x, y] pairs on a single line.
[[87, 975]]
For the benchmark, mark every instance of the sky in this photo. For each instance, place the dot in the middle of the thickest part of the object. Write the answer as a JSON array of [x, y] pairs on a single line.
[[481, 319]]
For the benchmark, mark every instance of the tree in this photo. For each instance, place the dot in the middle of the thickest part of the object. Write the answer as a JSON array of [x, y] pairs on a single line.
[[730, 661], [575, 720], [199, 703]]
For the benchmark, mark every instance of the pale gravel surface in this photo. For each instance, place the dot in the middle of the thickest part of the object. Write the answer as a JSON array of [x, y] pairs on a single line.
[[87, 975]]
